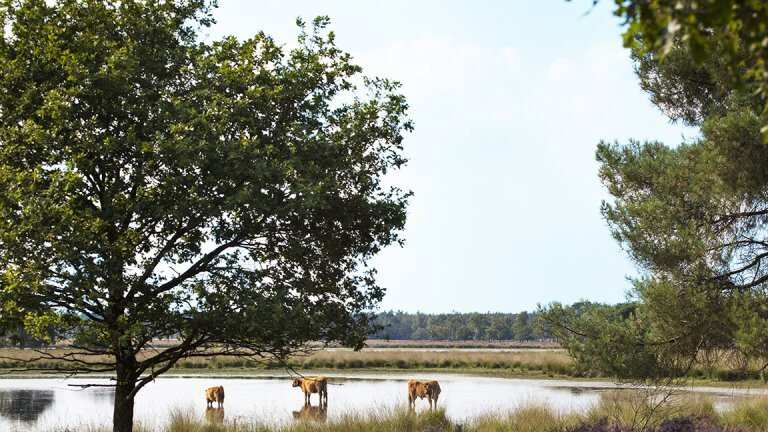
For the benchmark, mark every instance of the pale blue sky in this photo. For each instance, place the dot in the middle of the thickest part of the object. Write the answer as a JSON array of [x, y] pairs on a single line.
[[509, 99]]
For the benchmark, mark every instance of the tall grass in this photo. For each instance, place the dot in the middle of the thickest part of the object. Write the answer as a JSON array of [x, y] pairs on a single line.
[[647, 407], [532, 418], [382, 420], [533, 362], [614, 413], [751, 413], [553, 362]]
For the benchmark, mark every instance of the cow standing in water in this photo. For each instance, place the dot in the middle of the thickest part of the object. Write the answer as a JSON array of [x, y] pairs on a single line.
[[214, 394], [317, 385], [421, 390]]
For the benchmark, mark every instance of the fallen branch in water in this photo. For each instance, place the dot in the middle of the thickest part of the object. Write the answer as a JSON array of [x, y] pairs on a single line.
[[85, 386]]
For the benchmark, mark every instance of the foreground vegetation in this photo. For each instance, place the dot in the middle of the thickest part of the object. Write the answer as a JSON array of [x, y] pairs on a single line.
[[616, 412]]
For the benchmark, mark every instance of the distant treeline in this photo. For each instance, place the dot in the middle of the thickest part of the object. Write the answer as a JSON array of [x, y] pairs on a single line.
[[523, 326], [397, 325]]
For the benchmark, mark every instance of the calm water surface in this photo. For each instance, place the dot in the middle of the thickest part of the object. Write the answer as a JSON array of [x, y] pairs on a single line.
[[47, 404]]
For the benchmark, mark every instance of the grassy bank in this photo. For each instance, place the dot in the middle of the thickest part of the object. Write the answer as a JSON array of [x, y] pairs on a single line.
[[536, 363], [528, 362], [616, 412]]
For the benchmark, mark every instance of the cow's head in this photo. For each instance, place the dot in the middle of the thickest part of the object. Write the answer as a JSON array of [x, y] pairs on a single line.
[[297, 382]]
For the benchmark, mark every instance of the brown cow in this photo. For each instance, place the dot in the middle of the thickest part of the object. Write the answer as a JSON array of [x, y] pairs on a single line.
[[317, 385], [421, 390], [214, 394]]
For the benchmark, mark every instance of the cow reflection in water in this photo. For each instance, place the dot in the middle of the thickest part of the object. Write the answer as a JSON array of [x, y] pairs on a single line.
[[214, 415], [312, 413]]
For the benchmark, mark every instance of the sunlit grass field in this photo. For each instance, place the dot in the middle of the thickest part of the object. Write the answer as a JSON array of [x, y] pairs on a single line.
[[533, 362]]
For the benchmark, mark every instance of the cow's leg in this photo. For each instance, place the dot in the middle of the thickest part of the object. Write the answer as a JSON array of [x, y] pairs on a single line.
[[436, 397]]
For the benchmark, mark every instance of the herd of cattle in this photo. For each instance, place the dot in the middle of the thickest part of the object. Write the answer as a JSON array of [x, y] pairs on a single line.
[[429, 390]]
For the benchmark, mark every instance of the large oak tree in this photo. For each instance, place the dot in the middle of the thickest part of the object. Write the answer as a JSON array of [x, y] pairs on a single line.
[[227, 193]]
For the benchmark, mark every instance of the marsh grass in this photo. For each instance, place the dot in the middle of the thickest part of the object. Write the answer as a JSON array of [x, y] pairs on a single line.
[[614, 413], [533, 362], [647, 407], [750, 413], [555, 362], [540, 363], [530, 418], [380, 420]]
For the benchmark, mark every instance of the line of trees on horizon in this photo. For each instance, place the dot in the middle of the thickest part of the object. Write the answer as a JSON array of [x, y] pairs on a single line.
[[456, 326], [400, 325]]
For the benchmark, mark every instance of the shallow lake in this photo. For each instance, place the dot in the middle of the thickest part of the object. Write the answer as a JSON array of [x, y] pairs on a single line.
[[46, 404]]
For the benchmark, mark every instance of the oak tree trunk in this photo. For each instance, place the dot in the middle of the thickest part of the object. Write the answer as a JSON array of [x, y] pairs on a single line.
[[122, 417]]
